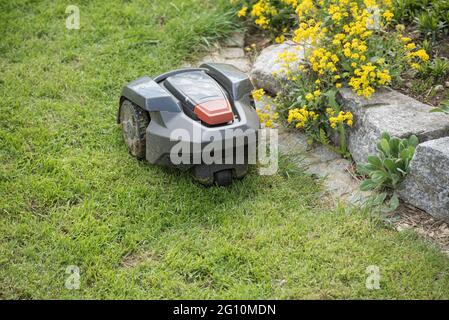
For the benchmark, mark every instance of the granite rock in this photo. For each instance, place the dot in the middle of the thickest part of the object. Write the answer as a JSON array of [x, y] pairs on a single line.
[[427, 184], [389, 111], [268, 63]]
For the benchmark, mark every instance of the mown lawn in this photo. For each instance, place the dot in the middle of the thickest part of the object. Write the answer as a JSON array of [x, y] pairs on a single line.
[[70, 194]]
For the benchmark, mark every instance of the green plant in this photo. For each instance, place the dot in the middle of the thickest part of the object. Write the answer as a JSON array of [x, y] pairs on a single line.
[[444, 107], [429, 24], [426, 45], [430, 16], [382, 204], [340, 43], [438, 68], [387, 169]]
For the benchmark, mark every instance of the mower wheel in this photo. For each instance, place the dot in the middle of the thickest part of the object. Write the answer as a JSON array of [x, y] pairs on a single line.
[[223, 178], [134, 121]]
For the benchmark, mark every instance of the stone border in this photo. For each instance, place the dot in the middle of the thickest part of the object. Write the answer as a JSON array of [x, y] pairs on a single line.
[[230, 51], [390, 111], [386, 111], [337, 174]]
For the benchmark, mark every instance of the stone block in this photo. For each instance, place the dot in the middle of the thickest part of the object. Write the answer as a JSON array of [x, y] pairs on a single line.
[[268, 62], [390, 111], [427, 184]]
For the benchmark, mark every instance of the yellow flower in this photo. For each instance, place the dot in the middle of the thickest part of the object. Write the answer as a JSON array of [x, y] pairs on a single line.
[[267, 119], [388, 15], [422, 54], [242, 12], [258, 94], [342, 117], [280, 39], [262, 21], [335, 34], [301, 116], [305, 7], [383, 77], [411, 46], [406, 39]]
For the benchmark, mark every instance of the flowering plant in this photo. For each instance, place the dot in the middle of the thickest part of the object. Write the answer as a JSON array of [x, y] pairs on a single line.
[[344, 43]]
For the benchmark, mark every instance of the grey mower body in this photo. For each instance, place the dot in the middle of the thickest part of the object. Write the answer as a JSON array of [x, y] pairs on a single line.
[[177, 115]]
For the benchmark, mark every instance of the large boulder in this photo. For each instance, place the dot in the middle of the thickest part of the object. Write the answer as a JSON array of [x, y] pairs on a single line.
[[390, 111], [266, 72], [427, 184]]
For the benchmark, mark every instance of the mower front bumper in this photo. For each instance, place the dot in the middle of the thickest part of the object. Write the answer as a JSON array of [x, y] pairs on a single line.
[[171, 133]]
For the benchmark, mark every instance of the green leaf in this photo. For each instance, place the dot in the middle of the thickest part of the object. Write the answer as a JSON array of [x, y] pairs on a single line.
[[390, 164], [331, 97], [413, 140], [384, 146], [323, 137], [386, 136], [363, 169], [443, 108], [380, 198], [394, 180], [346, 65], [394, 146], [411, 151], [402, 146], [394, 203], [375, 161], [378, 176], [388, 168], [405, 154], [368, 185]]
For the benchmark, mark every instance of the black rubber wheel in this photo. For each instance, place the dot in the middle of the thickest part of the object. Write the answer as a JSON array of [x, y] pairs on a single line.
[[134, 121], [223, 178]]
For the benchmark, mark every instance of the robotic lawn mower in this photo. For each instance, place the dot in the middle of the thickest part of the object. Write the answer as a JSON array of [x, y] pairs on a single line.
[[180, 114]]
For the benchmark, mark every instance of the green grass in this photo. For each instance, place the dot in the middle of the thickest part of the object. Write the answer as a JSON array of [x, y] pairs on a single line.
[[72, 195]]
